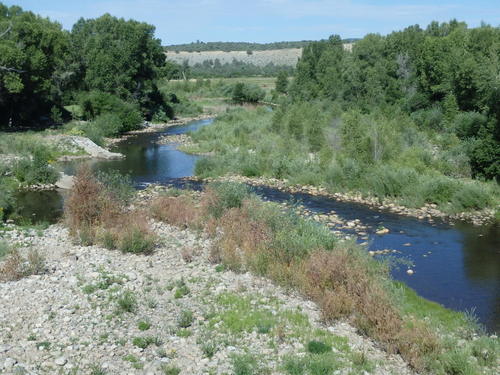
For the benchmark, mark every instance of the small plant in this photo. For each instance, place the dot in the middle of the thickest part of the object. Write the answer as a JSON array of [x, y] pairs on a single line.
[[185, 319], [144, 342], [184, 332], [318, 347], [97, 370], [264, 326], [143, 325], [171, 370], [182, 289], [209, 349], [127, 302], [137, 240], [220, 268], [245, 364]]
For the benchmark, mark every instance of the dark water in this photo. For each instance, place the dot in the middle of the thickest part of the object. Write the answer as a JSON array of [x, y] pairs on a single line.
[[460, 269]]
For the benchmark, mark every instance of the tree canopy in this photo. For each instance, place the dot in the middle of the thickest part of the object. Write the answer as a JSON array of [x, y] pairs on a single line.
[[446, 77]]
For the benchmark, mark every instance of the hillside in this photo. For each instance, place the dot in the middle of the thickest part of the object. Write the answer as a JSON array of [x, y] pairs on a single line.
[[283, 56]]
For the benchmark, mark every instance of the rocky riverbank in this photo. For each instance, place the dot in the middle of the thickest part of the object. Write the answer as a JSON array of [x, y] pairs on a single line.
[[96, 311], [428, 212]]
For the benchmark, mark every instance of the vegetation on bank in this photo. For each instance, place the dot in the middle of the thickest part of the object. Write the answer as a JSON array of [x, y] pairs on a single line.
[[250, 235], [385, 119], [294, 143]]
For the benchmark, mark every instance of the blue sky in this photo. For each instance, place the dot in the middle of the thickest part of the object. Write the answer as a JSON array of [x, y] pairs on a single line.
[[181, 21]]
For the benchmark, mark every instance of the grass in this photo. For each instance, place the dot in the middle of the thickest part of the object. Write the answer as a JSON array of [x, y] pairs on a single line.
[[185, 319], [144, 342], [126, 302]]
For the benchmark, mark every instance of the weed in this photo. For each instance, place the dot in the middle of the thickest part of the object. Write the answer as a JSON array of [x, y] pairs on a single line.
[[185, 319], [143, 325], [209, 349], [171, 370], [97, 370], [181, 290], [144, 342], [127, 302], [318, 347]]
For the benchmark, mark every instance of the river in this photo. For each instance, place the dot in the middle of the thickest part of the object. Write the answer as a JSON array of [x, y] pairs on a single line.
[[456, 265]]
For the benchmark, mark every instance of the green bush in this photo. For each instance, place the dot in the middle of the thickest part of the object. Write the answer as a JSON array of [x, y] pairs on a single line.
[[109, 124], [247, 92], [7, 199], [227, 195], [35, 170], [388, 181], [118, 185], [437, 189], [136, 241], [318, 347], [185, 319], [96, 103], [471, 196]]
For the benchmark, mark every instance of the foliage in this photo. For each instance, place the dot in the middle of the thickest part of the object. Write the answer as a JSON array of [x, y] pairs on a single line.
[[35, 169], [247, 93], [445, 78], [282, 82], [214, 68], [33, 51]]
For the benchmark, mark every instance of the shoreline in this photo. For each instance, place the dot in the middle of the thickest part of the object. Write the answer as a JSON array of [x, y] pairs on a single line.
[[429, 212]]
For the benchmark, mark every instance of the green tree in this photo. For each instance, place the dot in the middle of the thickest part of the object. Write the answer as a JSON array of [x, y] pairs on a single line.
[[282, 82], [32, 70]]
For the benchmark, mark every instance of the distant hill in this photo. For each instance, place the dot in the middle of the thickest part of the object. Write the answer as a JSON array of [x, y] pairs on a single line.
[[239, 46]]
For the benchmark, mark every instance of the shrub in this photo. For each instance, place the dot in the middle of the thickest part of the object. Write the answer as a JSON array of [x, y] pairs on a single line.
[[88, 205], [438, 189], [136, 238], [7, 199], [109, 124], [185, 319], [15, 266], [471, 196], [318, 347], [178, 211], [127, 302], [96, 103], [245, 92], [118, 185], [223, 196], [35, 170]]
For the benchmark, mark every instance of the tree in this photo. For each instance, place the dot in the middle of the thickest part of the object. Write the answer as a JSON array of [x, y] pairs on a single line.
[[119, 57], [282, 82], [32, 53]]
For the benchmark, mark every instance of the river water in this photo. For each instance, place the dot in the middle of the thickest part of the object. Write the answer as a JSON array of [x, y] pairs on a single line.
[[456, 265]]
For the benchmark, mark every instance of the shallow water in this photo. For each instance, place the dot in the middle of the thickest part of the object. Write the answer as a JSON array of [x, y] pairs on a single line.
[[460, 269]]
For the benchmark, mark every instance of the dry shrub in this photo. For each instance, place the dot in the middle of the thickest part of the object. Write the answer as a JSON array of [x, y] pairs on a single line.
[[16, 267], [344, 285], [88, 206], [179, 211], [189, 253]]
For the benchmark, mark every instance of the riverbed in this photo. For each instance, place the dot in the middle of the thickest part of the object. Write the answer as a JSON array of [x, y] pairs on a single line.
[[456, 265]]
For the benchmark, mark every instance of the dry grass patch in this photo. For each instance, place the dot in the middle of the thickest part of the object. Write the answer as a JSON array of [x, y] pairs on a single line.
[[15, 266], [94, 215], [179, 211]]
